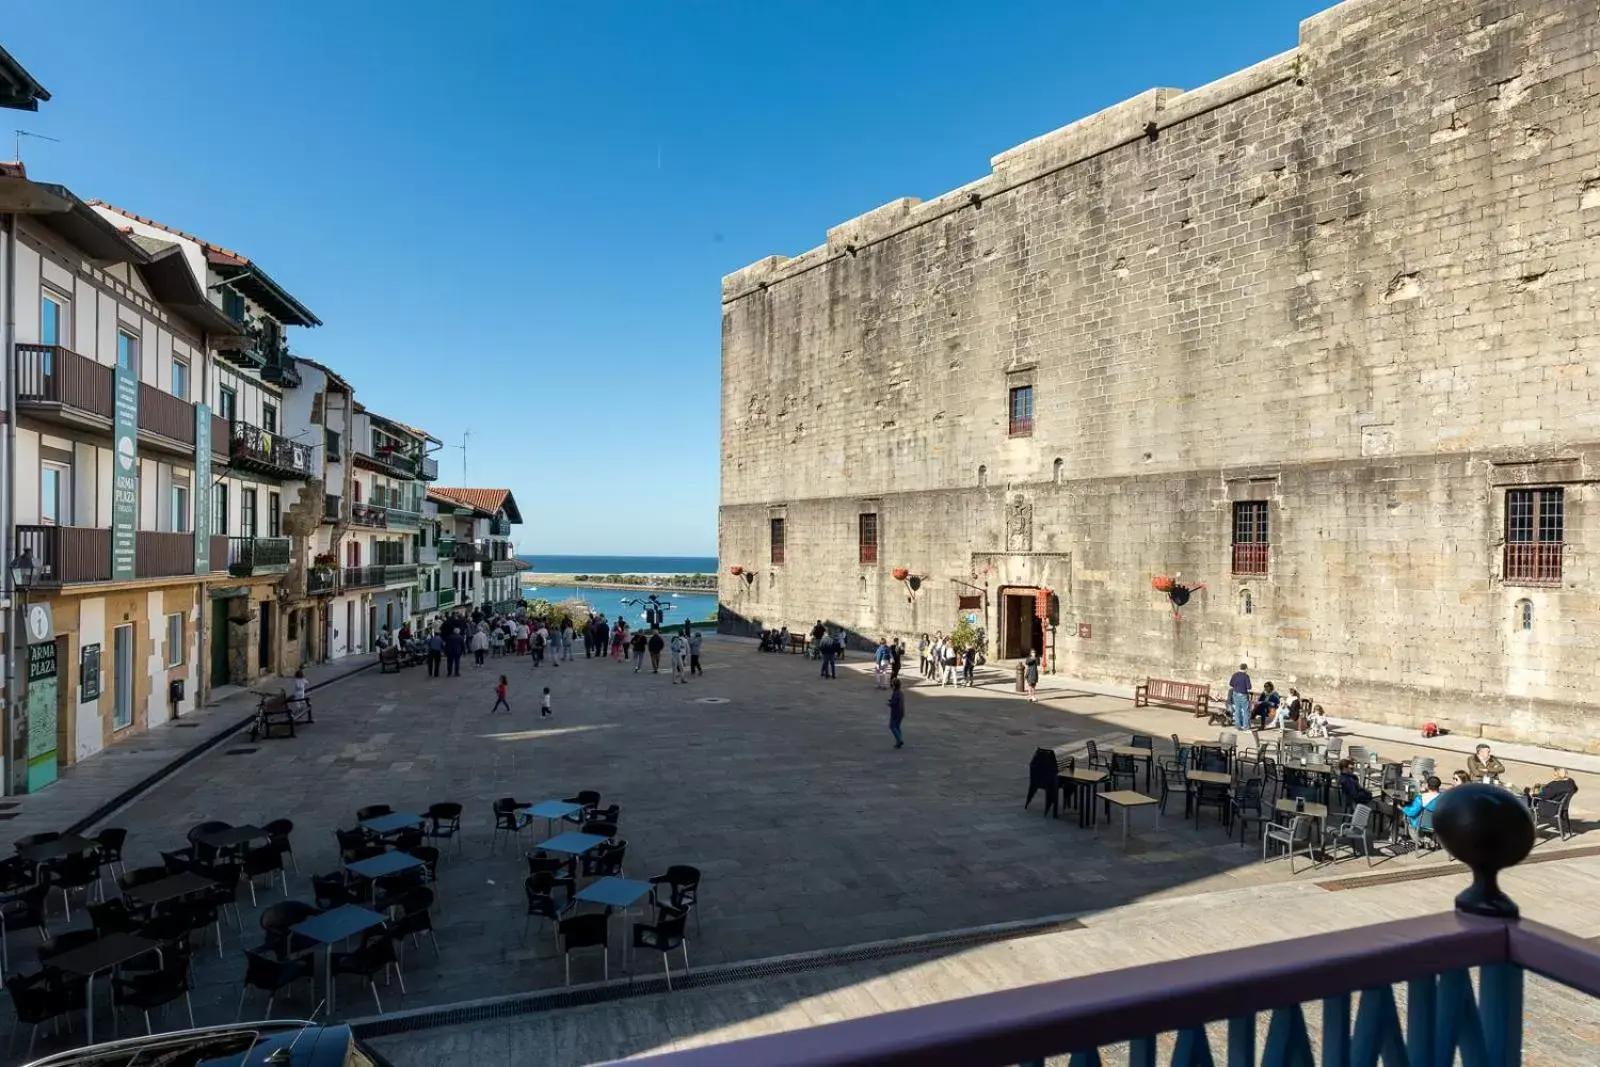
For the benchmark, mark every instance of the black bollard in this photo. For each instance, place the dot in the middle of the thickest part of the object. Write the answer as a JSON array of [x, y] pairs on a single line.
[[1489, 829]]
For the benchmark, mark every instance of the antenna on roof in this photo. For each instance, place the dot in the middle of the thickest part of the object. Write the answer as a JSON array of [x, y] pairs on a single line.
[[20, 134], [466, 435]]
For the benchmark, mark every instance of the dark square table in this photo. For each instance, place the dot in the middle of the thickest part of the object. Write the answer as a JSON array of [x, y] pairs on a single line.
[[89, 960], [616, 893], [388, 863], [395, 820], [550, 811], [1084, 784], [67, 845], [178, 885], [572, 844], [333, 926]]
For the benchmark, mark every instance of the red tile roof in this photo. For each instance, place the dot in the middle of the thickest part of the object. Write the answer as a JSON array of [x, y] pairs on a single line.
[[225, 255], [488, 501]]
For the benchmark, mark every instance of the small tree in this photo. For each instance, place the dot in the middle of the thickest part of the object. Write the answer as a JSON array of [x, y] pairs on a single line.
[[964, 636]]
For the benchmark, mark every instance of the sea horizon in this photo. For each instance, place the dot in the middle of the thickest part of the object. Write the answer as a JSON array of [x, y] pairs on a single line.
[[552, 563]]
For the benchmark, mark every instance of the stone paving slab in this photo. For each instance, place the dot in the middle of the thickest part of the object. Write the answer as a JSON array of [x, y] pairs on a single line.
[[811, 830], [86, 788], [1560, 1026]]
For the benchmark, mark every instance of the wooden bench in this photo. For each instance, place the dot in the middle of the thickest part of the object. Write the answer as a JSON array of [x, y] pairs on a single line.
[[1190, 696], [797, 643], [274, 710]]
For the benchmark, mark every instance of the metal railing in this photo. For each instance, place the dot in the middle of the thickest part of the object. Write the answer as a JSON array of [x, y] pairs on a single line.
[[65, 554], [401, 519], [1533, 562], [425, 600], [428, 469], [363, 577], [447, 598], [257, 555], [322, 581], [368, 515], [447, 548], [1348, 979], [428, 555], [499, 527], [499, 568], [270, 453], [1250, 558], [399, 572]]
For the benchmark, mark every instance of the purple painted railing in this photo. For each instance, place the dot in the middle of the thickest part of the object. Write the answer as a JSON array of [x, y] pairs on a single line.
[[1165, 1008]]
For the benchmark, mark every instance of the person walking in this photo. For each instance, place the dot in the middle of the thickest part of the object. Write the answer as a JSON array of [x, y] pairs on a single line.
[[638, 646], [435, 653], [897, 712], [455, 646], [1239, 698], [969, 664], [949, 665], [680, 661], [897, 653], [1030, 674], [694, 653], [566, 639], [500, 697], [656, 644], [619, 640], [480, 647], [880, 664], [545, 710], [818, 632], [828, 648], [922, 654]]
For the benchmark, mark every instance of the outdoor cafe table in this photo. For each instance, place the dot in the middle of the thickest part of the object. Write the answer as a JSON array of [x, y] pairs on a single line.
[[392, 822], [572, 844], [550, 811], [1135, 752], [178, 885], [332, 927], [232, 837], [1127, 800], [619, 893], [1085, 784], [61, 847], [1207, 778], [386, 863], [86, 961]]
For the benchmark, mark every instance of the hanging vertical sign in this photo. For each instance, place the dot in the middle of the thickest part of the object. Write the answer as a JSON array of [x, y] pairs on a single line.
[[202, 488], [124, 473], [42, 682]]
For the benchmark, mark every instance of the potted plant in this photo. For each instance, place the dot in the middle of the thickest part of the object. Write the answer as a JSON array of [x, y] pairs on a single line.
[[900, 573]]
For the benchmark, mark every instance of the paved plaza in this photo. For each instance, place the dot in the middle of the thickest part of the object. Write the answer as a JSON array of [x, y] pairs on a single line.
[[783, 788]]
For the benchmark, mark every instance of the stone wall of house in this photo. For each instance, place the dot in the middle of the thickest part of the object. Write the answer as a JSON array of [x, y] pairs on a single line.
[[1356, 282]]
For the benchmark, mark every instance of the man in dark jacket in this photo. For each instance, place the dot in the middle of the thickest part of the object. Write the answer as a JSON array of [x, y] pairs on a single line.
[[454, 646], [655, 646]]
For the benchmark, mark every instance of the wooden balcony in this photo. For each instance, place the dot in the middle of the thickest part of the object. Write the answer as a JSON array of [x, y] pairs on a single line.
[[257, 555], [499, 568], [400, 574], [56, 384], [425, 600], [264, 452], [393, 462], [447, 548], [71, 554], [447, 598], [401, 519], [500, 527]]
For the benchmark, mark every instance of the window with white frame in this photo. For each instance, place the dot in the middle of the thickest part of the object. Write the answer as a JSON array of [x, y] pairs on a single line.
[[180, 379], [175, 639], [127, 350], [180, 508], [55, 494]]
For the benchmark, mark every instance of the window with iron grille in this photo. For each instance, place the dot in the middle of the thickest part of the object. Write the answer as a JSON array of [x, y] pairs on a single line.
[[1021, 422], [867, 538], [1250, 544], [777, 540], [1535, 530]]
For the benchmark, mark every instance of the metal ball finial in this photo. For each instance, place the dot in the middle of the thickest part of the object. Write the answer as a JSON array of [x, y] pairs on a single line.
[[1489, 829]]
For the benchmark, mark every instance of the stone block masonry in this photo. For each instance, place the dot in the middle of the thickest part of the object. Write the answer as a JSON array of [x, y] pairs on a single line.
[[1339, 306]]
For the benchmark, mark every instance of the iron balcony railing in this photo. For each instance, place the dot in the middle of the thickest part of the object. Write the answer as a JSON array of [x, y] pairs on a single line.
[[499, 527], [399, 572], [322, 581], [368, 515], [1461, 975], [447, 598], [499, 568], [428, 555], [1250, 558], [428, 469], [387, 460], [470, 552], [265, 452], [401, 519], [1533, 562], [447, 548], [67, 554], [257, 555], [363, 577], [425, 600]]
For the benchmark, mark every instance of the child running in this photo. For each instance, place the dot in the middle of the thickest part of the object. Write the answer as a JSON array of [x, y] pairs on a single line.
[[500, 697]]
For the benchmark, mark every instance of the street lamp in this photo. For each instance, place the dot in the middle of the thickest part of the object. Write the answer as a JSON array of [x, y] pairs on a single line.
[[24, 570]]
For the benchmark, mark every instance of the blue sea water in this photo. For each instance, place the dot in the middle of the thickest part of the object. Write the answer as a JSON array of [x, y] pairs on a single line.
[[695, 607], [622, 564]]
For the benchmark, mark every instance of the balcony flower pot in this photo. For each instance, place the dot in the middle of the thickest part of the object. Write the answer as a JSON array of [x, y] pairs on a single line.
[[900, 573], [736, 571]]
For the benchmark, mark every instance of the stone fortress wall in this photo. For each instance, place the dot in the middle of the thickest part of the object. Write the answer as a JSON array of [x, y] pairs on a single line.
[[1355, 282]]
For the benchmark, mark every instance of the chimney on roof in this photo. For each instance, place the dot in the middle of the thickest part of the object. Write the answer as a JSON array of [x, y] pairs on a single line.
[[13, 169]]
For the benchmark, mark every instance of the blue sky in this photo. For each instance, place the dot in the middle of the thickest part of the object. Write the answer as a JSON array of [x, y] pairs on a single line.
[[514, 217]]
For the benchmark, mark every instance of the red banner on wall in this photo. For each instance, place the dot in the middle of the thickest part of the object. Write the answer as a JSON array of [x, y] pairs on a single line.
[[1041, 609]]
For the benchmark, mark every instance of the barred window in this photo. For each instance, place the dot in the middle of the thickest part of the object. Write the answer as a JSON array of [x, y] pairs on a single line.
[[867, 538], [1250, 543], [1021, 407], [1535, 532], [777, 540]]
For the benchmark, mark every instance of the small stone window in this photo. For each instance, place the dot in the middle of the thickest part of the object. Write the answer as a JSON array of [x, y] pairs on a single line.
[[1057, 471], [983, 477], [1247, 603], [1522, 620]]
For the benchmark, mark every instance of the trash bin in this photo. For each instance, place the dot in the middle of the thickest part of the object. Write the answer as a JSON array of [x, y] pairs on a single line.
[[1022, 678]]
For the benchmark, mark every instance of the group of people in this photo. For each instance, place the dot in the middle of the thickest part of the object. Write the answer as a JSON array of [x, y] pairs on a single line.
[[1270, 709], [940, 658], [1482, 766]]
